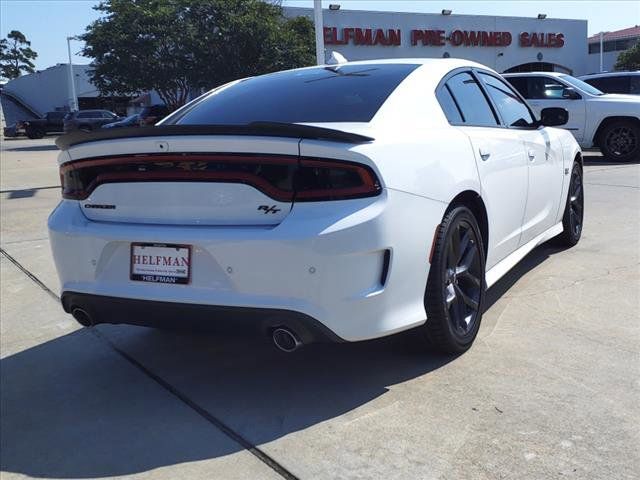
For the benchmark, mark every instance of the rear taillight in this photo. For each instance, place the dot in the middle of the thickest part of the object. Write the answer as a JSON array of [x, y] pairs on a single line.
[[334, 180], [272, 175], [282, 178]]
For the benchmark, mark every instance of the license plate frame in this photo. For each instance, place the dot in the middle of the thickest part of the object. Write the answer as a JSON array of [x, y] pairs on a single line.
[[159, 273]]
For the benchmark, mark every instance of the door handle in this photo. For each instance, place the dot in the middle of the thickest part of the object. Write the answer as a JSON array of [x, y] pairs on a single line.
[[484, 154], [532, 155]]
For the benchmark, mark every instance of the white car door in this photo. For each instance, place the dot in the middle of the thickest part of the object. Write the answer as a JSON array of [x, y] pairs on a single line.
[[545, 167], [500, 158], [546, 91]]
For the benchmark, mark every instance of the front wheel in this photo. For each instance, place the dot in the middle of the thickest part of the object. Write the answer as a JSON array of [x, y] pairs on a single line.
[[574, 209], [620, 141], [455, 288]]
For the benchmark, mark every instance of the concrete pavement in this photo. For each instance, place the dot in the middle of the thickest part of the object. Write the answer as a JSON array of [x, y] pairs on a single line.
[[549, 390]]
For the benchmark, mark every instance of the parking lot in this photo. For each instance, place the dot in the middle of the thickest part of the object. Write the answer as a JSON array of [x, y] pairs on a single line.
[[550, 389]]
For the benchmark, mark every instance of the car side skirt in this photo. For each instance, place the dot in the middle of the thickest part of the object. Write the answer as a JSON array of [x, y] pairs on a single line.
[[502, 267]]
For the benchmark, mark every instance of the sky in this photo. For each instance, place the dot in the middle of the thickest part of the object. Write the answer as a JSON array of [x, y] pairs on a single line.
[[47, 23]]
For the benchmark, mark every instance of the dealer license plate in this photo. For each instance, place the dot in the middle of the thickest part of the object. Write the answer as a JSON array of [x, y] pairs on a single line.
[[160, 263]]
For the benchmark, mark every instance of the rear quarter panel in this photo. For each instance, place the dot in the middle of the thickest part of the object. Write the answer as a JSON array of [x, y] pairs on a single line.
[[435, 163]]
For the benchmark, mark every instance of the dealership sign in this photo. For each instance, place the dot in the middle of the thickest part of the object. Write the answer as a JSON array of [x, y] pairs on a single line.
[[456, 38]]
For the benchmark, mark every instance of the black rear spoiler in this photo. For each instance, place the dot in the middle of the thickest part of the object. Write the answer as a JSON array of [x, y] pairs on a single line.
[[269, 129]]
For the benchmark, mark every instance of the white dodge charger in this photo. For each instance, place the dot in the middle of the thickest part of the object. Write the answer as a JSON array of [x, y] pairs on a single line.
[[336, 203]]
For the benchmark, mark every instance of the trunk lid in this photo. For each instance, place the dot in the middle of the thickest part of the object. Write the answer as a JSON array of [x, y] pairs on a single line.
[[214, 180]]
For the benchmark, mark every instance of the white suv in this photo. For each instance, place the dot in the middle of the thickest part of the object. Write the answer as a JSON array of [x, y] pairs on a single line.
[[615, 82], [608, 121]]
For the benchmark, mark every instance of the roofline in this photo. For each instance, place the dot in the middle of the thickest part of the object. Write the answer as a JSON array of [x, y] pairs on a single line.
[[608, 74], [522, 74], [395, 12]]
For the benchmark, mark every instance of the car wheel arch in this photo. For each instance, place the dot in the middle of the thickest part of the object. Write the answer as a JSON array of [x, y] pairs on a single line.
[[473, 201], [578, 158], [607, 120]]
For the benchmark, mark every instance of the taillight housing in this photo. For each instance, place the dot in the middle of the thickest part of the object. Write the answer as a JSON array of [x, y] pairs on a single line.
[[318, 180], [283, 178]]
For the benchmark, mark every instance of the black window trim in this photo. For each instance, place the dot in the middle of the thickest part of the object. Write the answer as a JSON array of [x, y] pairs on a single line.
[[443, 84]]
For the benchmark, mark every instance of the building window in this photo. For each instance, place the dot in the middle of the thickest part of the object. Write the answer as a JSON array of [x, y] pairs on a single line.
[[613, 45]]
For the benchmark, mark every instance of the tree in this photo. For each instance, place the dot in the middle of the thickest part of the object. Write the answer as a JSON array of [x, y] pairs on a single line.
[[629, 59], [16, 55], [172, 46]]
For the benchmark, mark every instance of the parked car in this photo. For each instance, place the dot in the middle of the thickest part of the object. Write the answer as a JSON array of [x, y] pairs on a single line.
[[130, 121], [88, 120], [615, 82], [610, 122], [342, 202], [14, 130], [52, 122], [152, 115]]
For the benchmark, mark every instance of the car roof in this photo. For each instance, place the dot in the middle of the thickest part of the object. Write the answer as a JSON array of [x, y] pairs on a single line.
[[527, 74], [438, 66], [611, 74]]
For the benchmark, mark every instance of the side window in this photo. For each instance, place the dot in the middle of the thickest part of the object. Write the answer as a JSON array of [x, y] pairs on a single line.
[[474, 107], [521, 84], [449, 107], [545, 88], [595, 82], [634, 86], [513, 111], [84, 115], [618, 84]]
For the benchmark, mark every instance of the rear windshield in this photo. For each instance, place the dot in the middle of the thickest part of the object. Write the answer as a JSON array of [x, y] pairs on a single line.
[[349, 93]]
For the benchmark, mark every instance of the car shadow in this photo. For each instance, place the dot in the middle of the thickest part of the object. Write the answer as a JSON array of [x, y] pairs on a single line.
[[534, 258], [601, 161], [73, 408]]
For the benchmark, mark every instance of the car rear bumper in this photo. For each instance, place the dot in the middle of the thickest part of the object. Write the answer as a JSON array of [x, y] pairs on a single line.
[[324, 261], [97, 309]]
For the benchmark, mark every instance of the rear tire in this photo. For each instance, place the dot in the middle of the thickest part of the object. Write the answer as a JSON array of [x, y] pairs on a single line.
[[573, 217], [455, 289], [620, 141], [34, 133]]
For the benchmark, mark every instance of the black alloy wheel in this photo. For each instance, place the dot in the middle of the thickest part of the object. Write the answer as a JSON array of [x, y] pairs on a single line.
[[621, 141], [573, 218], [455, 289]]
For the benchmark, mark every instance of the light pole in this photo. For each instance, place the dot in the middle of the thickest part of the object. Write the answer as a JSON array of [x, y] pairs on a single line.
[[72, 79], [601, 51], [317, 22]]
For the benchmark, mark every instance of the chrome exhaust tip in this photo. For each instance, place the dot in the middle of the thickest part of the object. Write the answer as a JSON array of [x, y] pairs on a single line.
[[285, 340], [81, 316]]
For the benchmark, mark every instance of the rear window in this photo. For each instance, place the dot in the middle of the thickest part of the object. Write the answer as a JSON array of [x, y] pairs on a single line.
[[349, 93], [617, 84]]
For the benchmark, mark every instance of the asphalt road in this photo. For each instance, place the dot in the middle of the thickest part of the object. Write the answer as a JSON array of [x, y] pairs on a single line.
[[551, 388]]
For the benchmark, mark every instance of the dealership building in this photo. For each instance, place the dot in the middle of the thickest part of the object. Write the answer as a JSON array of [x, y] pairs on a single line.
[[506, 44]]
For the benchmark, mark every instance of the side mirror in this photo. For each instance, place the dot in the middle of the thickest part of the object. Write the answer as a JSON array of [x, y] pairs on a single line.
[[570, 94], [553, 117]]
